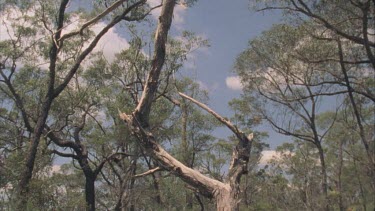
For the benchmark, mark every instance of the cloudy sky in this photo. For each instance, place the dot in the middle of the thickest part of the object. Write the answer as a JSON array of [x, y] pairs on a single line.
[[228, 25]]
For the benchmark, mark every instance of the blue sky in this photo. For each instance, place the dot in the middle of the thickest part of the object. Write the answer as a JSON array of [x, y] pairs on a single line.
[[228, 25]]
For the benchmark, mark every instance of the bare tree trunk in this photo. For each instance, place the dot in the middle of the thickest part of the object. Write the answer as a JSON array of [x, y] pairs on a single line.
[[184, 137], [119, 205], [39, 127], [90, 178], [226, 199], [225, 194]]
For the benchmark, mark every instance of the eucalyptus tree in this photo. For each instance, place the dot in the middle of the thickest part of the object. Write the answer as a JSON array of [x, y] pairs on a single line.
[[118, 85], [346, 160], [352, 21], [345, 35], [277, 87], [296, 166], [192, 131], [39, 45], [81, 131], [40, 39], [323, 49], [225, 193]]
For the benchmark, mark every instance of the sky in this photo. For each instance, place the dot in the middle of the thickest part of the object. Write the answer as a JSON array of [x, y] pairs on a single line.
[[228, 25]]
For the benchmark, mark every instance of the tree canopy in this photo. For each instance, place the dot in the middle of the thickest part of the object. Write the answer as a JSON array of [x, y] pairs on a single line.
[[84, 130]]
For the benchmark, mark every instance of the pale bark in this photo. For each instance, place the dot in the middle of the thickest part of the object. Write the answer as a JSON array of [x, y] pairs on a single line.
[[225, 194], [144, 106]]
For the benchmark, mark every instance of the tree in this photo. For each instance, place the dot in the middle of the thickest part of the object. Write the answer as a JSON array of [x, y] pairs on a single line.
[[345, 157], [278, 89], [64, 54], [322, 49], [225, 194], [347, 29]]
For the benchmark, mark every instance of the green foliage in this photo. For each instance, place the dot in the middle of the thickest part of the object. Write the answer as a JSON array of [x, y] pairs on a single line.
[[290, 73], [287, 73]]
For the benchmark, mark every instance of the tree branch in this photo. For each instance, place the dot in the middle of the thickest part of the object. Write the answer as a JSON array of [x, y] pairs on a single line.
[[110, 157], [151, 171], [223, 120], [65, 155], [92, 45], [241, 152], [143, 108], [92, 21]]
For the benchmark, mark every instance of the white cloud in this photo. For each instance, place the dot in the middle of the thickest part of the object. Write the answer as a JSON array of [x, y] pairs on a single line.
[[179, 16], [268, 155], [234, 83], [111, 43]]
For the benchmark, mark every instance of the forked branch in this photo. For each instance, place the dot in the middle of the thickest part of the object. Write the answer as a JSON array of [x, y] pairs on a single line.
[[241, 153]]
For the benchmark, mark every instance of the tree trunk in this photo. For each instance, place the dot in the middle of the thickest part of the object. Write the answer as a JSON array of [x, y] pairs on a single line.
[[199, 201], [339, 185], [23, 189], [155, 182], [189, 199], [358, 117], [184, 138], [90, 178], [90, 191], [226, 199], [225, 194], [324, 175], [185, 151], [362, 191], [132, 182]]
